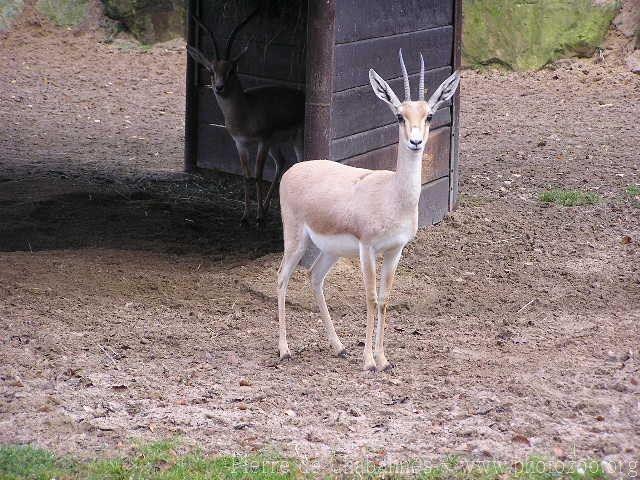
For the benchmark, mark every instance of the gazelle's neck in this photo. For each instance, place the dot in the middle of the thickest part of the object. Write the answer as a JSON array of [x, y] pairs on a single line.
[[408, 175]]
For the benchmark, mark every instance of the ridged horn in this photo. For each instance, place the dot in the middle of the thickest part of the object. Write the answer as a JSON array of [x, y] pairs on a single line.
[[211, 37], [421, 84], [405, 76], [235, 31]]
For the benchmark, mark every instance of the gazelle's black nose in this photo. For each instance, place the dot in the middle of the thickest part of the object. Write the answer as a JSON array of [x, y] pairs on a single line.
[[219, 88], [415, 142]]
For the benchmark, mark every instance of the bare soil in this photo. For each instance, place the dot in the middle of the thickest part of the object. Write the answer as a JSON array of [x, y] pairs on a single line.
[[134, 305]]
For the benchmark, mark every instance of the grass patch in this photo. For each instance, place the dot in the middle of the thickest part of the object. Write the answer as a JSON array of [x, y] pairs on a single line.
[[633, 190], [569, 198], [152, 461], [22, 462], [164, 461], [632, 193]]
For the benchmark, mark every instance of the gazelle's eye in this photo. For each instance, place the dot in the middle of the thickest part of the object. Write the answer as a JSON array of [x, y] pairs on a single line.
[[400, 119], [429, 117]]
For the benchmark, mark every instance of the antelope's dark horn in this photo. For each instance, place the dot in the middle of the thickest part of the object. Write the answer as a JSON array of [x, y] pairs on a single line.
[[235, 31], [211, 37]]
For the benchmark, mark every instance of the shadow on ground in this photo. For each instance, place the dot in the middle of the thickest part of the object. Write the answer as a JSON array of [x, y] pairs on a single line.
[[172, 213]]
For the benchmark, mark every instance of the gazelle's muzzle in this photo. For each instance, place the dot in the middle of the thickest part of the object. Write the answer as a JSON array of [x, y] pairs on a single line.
[[416, 139]]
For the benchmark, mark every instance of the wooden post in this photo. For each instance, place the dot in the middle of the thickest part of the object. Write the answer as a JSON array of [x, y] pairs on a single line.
[[455, 108], [319, 78], [191, 108]]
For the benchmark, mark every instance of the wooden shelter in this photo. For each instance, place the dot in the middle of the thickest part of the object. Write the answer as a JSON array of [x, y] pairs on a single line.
[[326, 48]]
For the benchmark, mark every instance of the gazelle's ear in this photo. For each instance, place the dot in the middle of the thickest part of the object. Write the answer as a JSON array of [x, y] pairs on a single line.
[[237, 58], [383, 90], [444, 92], [199, 57]]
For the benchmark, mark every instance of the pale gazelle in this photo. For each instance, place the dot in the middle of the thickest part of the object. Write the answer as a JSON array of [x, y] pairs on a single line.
[[265, 117], [350, 212]]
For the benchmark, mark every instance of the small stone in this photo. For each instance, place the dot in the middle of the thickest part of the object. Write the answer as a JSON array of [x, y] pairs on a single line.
[[313, 437], [245, 383]]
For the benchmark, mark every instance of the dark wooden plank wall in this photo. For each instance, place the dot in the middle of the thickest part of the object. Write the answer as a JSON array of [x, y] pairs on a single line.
[[364, 131], [276, 56]]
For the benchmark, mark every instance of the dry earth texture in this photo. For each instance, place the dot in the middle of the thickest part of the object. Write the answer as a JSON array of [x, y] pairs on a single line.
[[133, 304]]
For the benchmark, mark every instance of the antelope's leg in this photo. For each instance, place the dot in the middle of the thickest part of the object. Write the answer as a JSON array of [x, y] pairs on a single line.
[[368, 266], [261, 156], [243, 154], [293, 251], [278, 161], [319, 271], [389, 265]]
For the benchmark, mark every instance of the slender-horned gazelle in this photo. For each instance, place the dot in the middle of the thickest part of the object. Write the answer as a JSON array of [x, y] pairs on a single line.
[[266, 116], [354, 212]]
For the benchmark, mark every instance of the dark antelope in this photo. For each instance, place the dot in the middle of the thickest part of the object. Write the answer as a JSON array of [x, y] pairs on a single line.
[[265, 117]]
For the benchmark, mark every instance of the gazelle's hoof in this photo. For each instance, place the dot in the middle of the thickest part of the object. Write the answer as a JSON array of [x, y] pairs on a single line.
[[285, 355], [369, 366], [382, 362], [387, 367]]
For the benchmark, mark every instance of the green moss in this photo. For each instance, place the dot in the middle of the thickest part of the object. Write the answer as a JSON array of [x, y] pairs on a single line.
[[149, 21], [64, 13], [9, 10], [528, 34]]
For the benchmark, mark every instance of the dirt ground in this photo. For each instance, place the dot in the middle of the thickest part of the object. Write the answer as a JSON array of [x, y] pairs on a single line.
[[134, 305]]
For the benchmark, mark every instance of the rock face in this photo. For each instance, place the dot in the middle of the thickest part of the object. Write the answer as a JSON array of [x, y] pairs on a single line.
[[628, 23], [633, 62], [628, 20], [528, 34], [9, 10], [150, 21]]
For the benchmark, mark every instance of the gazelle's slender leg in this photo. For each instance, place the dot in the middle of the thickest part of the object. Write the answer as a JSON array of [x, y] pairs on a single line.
[[243, 153], [261, 156], [278, 160], [293, 251], [319, 271], [389, 265], [368, 266]]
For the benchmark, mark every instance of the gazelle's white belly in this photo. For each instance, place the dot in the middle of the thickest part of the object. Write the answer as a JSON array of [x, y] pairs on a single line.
[[347, 245], [340, 245]]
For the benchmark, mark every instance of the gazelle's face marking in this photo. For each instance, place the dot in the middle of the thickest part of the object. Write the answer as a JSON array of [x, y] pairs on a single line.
[[414, 119], [221, 71]]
